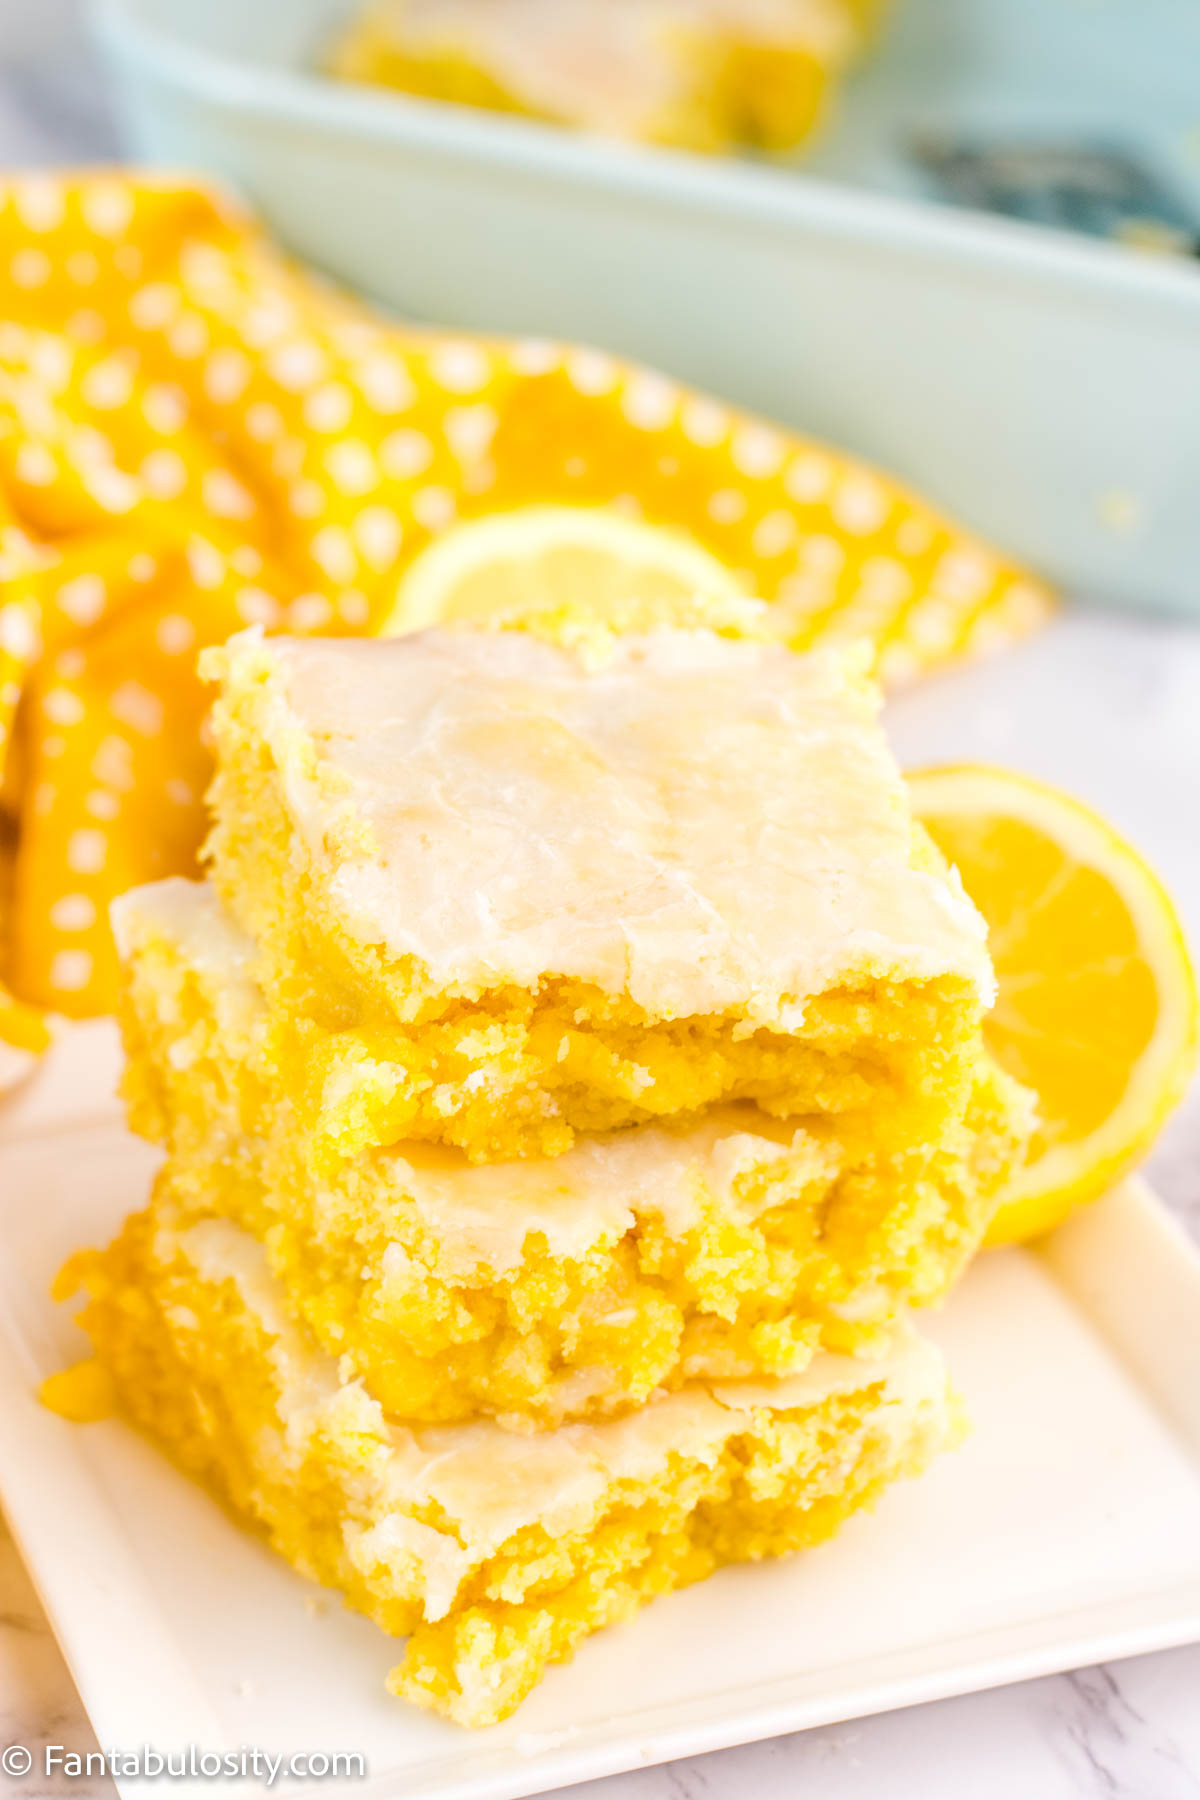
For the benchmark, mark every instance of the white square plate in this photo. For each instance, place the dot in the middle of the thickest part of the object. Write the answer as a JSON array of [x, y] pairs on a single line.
[[1066, 1531]]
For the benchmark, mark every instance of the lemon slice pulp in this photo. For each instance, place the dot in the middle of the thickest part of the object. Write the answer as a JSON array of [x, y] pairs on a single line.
[[594, 561], [1097, 1007]]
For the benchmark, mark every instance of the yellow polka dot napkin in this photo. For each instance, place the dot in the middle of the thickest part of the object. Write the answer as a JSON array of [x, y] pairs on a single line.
[[195, 435]]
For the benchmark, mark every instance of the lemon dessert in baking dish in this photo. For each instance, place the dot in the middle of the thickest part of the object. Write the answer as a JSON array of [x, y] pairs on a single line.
[[569, 1078], [699, 74]]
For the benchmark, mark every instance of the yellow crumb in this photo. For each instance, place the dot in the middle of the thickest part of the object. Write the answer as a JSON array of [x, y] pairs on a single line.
[[83, 1393]]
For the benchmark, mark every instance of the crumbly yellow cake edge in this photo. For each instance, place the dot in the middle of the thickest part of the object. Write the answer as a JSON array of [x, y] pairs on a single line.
[[509, 1071], [803, 1253], [234, 1393]]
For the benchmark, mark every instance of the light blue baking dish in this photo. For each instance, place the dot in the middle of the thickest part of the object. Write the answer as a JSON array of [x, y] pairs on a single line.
[[1046, 388]]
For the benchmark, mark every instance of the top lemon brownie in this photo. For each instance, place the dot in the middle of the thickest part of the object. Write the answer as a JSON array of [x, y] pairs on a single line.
[[550, 891], [705, 74]]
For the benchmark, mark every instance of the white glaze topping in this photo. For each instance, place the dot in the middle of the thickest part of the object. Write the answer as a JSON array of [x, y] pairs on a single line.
[[704, 825]]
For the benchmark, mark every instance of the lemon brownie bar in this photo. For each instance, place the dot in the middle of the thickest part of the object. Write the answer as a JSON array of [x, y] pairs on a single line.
[[701, 74], [540, 1289], [533, 891], [498, 1553]]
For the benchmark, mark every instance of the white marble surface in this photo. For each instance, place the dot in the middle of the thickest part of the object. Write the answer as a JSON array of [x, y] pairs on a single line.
[[1126, 1732]]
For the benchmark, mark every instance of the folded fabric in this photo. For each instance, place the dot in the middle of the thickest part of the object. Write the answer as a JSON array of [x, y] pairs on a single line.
[[195, 435]]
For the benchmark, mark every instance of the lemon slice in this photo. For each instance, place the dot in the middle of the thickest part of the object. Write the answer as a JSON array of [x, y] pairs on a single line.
[[540, 559], [1097, 1006]]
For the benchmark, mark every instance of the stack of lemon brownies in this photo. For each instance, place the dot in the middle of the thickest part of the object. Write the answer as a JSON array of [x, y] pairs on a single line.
[[570, 1077]]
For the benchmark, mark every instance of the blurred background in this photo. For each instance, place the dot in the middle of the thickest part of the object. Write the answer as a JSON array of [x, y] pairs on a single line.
[[978, 267], [55, 108]]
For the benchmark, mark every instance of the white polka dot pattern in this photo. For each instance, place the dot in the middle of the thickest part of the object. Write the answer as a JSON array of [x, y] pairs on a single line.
[[194, 436]]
